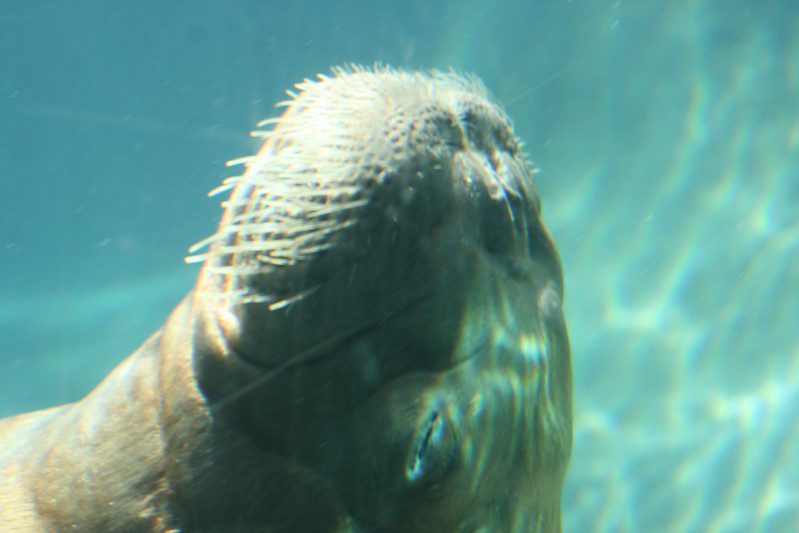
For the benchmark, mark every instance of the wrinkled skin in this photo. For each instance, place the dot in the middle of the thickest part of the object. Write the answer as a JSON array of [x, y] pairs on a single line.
[[423, 385]]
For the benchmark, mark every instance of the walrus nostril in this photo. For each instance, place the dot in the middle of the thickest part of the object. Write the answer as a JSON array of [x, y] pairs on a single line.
[[432, 452]]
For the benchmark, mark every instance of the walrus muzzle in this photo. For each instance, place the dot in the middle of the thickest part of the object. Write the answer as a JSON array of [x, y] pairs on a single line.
[[375, 342]]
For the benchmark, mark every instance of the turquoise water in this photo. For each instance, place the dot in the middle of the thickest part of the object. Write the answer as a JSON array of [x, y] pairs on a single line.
[[667, 134]]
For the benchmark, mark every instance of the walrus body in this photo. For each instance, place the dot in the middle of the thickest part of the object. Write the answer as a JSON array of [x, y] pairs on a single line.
[[375, 343]]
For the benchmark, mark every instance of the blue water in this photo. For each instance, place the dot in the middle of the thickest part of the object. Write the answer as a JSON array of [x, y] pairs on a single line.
[[668, 138]]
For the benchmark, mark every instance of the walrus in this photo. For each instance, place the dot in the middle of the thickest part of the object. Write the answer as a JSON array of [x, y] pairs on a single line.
[[375, 341]]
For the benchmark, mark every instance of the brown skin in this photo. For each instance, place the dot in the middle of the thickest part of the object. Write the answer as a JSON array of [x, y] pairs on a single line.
[[423, 386]]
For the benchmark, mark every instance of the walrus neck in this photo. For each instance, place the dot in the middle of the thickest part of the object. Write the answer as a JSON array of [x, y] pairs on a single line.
[[194, 347]]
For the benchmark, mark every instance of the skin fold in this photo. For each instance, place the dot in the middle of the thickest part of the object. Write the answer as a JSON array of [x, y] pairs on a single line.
[[375, 342]]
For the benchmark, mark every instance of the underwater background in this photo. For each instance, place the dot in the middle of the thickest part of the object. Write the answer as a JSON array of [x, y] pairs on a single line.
[[667, 134]]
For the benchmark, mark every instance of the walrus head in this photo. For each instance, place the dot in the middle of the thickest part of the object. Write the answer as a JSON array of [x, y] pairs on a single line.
[[383, 273]]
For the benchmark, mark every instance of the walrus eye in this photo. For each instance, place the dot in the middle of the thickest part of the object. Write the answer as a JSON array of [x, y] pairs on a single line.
[[432, 452]]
